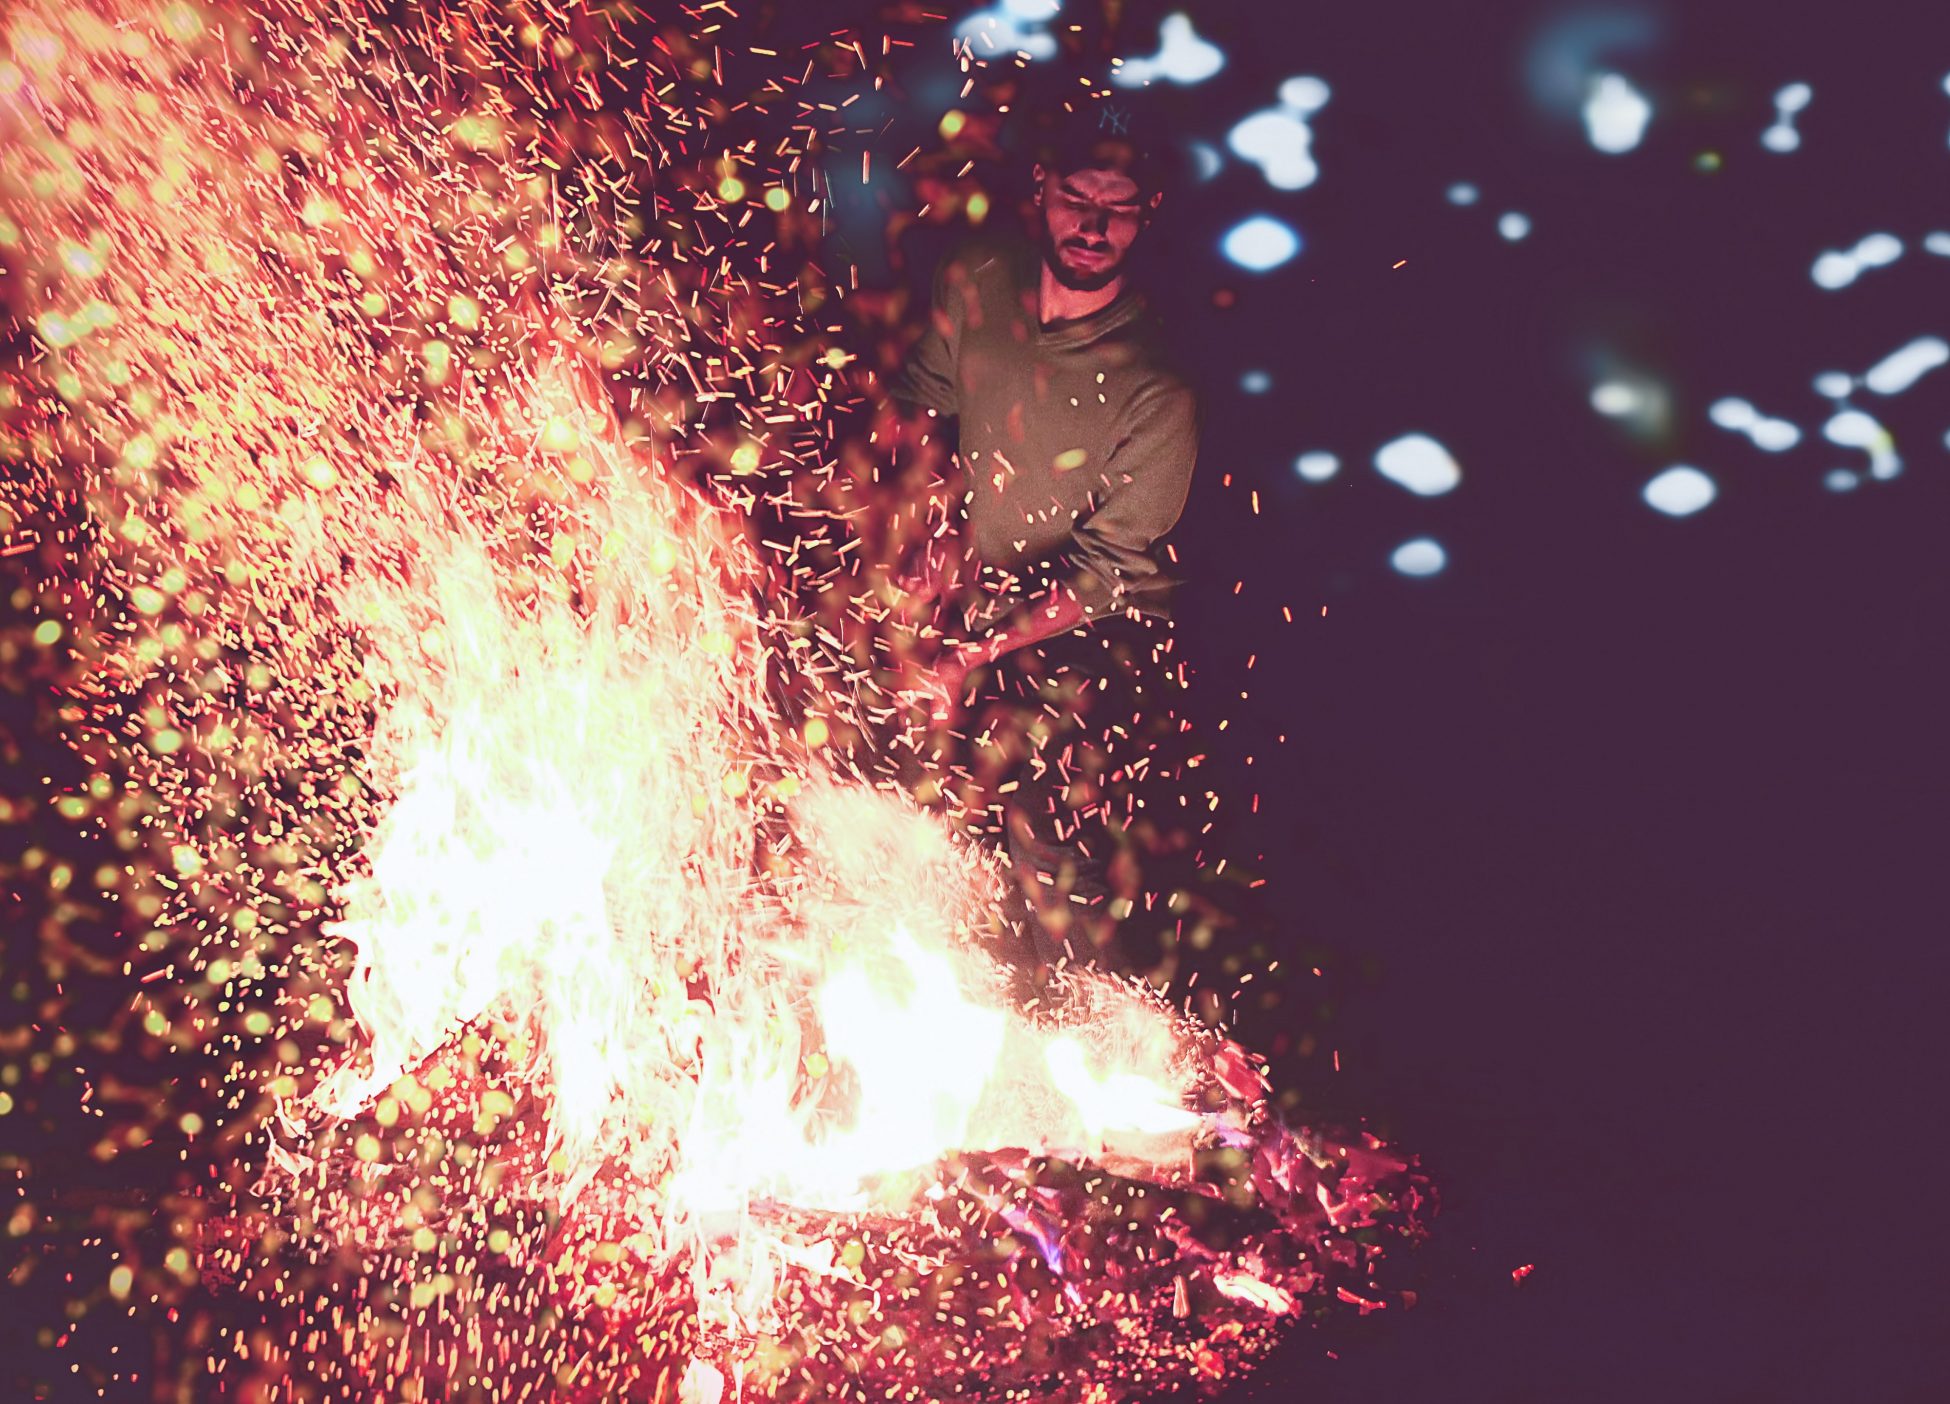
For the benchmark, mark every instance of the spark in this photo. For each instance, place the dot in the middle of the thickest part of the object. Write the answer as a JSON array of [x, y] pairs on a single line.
[[409, 401]]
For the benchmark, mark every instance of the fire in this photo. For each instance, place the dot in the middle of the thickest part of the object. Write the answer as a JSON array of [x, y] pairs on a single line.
[[481, 688], [741, 977], [584, 829]]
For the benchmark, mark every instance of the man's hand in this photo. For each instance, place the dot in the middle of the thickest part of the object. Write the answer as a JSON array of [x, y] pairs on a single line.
[[932, 572], [941, 685]]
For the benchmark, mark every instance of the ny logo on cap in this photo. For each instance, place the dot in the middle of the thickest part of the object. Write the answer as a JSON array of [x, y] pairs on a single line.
[[1115, 120]]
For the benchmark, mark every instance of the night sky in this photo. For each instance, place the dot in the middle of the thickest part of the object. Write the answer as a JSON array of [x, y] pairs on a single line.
[[1627, 819]]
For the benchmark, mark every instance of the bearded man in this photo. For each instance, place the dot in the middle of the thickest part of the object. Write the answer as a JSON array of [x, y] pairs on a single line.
[[1076, 442]]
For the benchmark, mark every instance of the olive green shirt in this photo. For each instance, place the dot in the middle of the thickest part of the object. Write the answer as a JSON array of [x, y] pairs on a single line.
[[1077, 441]]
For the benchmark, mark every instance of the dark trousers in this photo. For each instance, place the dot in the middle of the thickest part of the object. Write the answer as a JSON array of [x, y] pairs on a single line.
[[1095, 707]]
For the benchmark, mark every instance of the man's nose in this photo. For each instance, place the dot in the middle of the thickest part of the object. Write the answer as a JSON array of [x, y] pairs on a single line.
[[1096, 221]]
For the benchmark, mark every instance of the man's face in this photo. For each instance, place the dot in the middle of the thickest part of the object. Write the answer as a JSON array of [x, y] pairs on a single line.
[[1090, 220]]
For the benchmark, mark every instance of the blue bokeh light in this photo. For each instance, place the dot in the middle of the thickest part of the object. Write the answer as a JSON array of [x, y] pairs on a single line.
[[1423, 556], [1260, 244]]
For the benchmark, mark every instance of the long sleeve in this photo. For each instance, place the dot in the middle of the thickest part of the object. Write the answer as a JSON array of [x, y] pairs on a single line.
[[1146, 482], [927, 377]]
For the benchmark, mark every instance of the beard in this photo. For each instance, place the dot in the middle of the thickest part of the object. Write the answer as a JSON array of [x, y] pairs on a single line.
[[1077, 279]]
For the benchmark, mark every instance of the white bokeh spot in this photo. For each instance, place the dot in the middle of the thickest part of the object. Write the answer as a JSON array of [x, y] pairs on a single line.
[[1903, 367], [1011, 27], [1420, 557], [1766, 433], [1279, 140], [1736, 415], [1774, 435], [1782, 137], [1680, 491], [1836, 269], [1418, 463], [1260, 243], [1852, 428], [1615, 114], [1616, 398], [1182, 57]]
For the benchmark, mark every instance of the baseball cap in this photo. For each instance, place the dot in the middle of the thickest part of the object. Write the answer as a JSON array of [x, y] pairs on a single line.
[[1113, 133]]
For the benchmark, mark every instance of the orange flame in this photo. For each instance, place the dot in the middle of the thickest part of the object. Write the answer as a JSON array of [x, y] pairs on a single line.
[[739, 974]]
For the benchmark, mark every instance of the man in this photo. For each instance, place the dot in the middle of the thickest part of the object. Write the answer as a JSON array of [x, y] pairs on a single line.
[[1076, 444]]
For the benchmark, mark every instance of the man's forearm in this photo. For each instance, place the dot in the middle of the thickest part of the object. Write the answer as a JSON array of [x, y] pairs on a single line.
[[1056, 613], [944, 684]]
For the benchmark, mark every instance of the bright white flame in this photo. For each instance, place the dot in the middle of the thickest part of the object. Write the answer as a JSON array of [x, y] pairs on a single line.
[[1834, 385], [1110, 1101], [1615, 114], [1902, 368], [1513, 226], [1260, 243], [926, 1052], [1244, 1287], [1938, 243], [1680, 491], [1317, 465], [1418, 463], [1279, 139], [1422, 556], [1463, 193], [1256, 382], [703, 1383], [565, 863], [1182, 57]]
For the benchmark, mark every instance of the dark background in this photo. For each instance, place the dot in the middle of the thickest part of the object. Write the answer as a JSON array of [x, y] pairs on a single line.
[[1614, 836], [1623, 826]]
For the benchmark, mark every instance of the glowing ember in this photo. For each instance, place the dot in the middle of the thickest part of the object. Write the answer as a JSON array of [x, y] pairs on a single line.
[[595, 995]]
